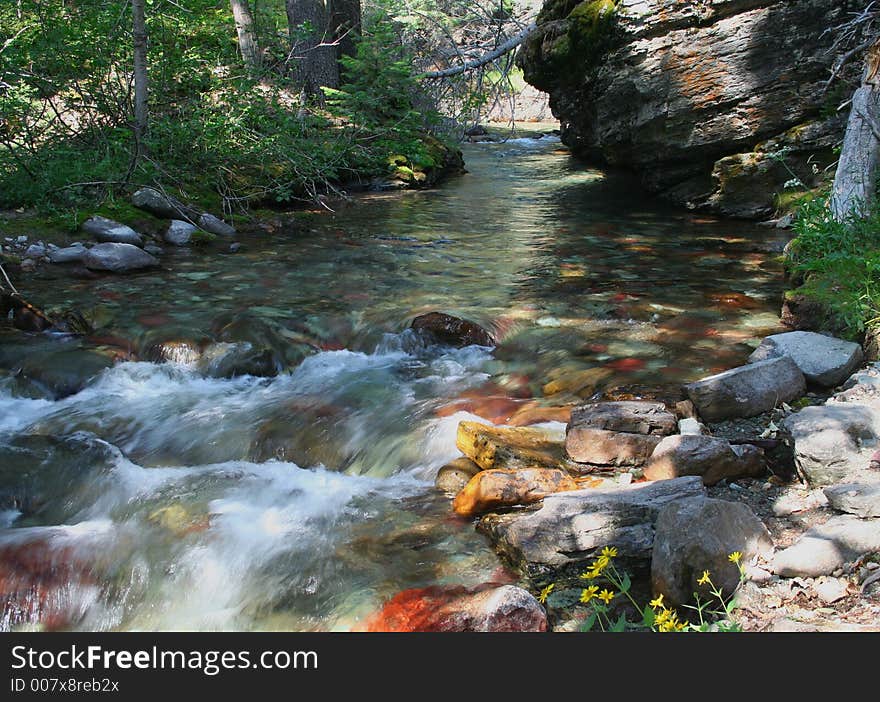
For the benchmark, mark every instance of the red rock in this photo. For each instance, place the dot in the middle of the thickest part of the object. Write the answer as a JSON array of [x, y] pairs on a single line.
[[626, 365], [154, 320]]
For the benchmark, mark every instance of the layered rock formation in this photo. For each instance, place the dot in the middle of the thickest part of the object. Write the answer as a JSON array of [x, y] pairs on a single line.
[[717, 104]]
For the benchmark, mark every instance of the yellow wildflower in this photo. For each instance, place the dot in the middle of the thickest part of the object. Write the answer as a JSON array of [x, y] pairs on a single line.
[[602, 562], [542, 598], [609, 551], [705, 579], [606, 596], [590, 574], [589, 593], [658, 602], [735, 557]]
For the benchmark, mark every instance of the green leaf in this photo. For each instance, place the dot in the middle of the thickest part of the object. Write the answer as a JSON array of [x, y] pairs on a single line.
[[589, 622], [625, 583], [648, 616], [620, 624]]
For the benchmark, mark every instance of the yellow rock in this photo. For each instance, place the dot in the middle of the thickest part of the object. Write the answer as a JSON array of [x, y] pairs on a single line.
[[577, 382], [490, 489], [510, 448]]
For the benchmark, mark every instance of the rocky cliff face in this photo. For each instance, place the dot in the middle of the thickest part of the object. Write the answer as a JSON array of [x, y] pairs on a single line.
[[716, 103]]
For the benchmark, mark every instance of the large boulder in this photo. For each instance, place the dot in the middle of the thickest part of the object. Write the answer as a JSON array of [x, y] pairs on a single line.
[[829, 546], [711, 458], [65, 371], [834, 442], [632, 416], [824, 360], [453, 331], [491, 489], [505, 608], [162, 206], [179, 233], [698, 98], [697, 535], [118, 258], [214, 225], [574, 526], [106, 230], [860, 499], [748, 390]]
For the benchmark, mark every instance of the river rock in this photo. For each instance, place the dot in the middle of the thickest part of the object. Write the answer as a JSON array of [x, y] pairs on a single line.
[[860, 499], [748, 390], [711, 458], [698, 534], [634, 417], [453, 476], [823, 360], [180, 351], [573, 526], [162, 206], [453, 331], [825, 548], [691, 426], [510, 448], [491, 489], [834, 440], [697, 98], [106, 230], [64, 372], [505, 608], [118, 258], [179, 233], [68, 254], [214, 225], [608, 448], [35, 251]]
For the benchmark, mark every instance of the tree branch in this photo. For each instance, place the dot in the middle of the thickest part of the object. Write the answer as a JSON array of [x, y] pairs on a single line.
[[502, 49]]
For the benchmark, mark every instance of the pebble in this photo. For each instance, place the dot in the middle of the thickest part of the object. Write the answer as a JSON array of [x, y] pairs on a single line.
[[233, 247], [22, 239]]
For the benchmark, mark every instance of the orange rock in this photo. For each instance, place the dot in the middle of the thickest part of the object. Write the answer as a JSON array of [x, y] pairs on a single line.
[[490, 489], [493, 447], [533, 413]]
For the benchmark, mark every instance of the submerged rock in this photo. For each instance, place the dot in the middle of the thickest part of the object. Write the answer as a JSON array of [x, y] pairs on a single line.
[[454, 331], [711, 458], [106, 230], [118, 258], [491, 489], [748, 390], [63, 372], [698, 534], [824, 360], [453, 476], [573, 526]]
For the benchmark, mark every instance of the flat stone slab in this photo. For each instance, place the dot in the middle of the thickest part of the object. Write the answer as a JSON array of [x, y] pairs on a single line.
[[824, 360], [711, 458], [834, 442], [825, 548], [634, 417], [860, 499], [748, 390], [118, 258], [572, 526], [608, 448], [106, 230]]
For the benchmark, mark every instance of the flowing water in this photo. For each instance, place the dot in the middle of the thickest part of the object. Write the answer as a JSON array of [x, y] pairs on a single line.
[[163, 497]]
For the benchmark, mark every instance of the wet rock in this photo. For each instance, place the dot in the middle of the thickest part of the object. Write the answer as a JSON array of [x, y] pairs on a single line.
[[825, 548], [582, 382], [178, 520], [179, 233], [69, 254], [181, 351], [748, 390], [118, 258], [510, 448], [505, 608], [698, 534], [454, 331], [860, 499], [215, 225], [491, 489], [107, 231], [249, 346], [711, 458], [608, 448], [162, 206], [823, 360], [308, 439], [633, 417], [154, 250], [833, 441], [64, 372], [35, 251], [453, 476], [230, 360], [573, 526]]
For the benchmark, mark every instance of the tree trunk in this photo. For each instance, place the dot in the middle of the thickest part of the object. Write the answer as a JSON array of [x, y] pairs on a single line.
[[345, 21], [247, 36], [855, 181], [312, 46], [139, 36]]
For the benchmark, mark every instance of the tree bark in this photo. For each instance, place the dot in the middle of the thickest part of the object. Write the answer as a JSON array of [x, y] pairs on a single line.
[[345, 21], [139, 37], [247, 36], [855, 181], [312, 46]]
